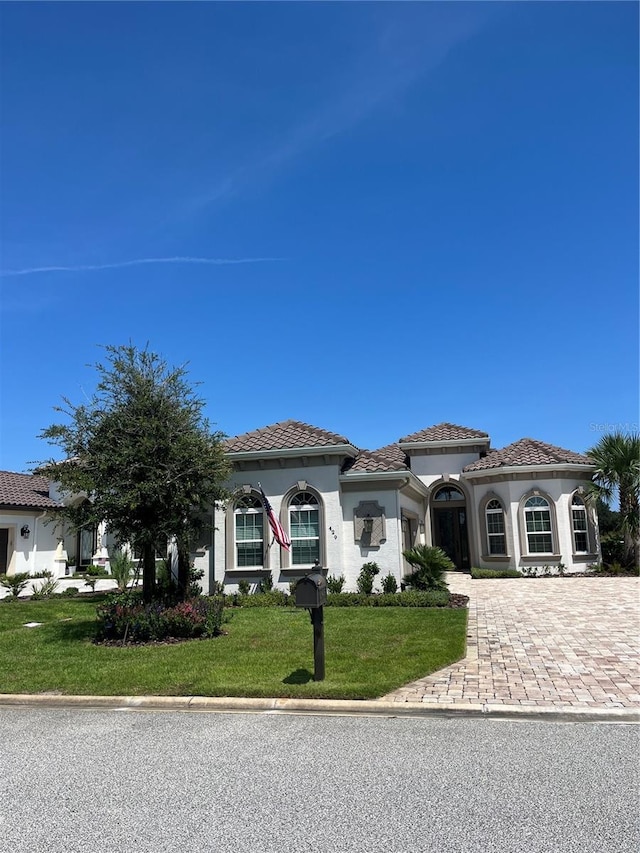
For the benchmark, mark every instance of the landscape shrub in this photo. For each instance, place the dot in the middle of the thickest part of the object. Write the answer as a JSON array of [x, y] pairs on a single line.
[[243, 587], [132, 621], [429, 564], [96, 572], [70, 591], [485, 574], [121, 568], [335, 584], [266, 583], [389, 583], [364, 583], [410, 598], [273, 598], [16, 583], [46, 589]]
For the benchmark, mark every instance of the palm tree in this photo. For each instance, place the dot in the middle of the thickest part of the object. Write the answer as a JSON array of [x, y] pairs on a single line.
[[617, 460], [429, 565]]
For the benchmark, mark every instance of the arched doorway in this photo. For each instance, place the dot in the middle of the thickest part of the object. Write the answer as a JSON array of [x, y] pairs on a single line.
[[449, 522]]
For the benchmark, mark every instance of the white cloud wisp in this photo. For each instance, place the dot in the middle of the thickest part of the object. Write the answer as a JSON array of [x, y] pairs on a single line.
[[134, 263]]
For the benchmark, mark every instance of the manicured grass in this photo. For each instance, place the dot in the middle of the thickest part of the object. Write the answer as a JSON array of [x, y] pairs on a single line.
[[266, 652]]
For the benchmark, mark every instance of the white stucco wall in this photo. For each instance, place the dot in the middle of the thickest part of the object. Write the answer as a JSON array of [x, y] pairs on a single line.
[[432, 467], [276, 482], [388, 555], [35, 554], [560, 491]]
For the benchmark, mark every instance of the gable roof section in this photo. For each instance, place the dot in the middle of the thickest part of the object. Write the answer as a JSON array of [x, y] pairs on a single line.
[[388, 458], [285, 435], [25, 490], [444, 432], [528, 451]]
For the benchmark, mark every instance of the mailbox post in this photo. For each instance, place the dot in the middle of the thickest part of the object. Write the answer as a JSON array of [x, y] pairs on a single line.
[[311, 592]]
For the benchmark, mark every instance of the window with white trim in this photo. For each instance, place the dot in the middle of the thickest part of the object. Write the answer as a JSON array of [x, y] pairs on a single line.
[[579, 526], [537, 517], [304, 529], [494, 518], [249, 532]]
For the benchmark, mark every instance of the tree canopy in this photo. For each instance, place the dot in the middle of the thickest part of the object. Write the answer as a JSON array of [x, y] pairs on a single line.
[[142, 452], [617, 460]]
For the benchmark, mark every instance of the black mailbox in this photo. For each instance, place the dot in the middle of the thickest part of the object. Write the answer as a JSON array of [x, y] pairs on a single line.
[[311, 590]]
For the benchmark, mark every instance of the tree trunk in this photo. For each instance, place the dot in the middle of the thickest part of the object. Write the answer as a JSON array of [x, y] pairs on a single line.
[[629, 514], [183, 569], [148, 572]]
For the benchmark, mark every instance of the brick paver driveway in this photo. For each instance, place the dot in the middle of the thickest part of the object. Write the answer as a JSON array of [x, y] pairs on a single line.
[[561, 642]]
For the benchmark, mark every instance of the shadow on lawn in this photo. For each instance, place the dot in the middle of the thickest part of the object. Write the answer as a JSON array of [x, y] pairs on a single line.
[[70, 631], [298, 676]]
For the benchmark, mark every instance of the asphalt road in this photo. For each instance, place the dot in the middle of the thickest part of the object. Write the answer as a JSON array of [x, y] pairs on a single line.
[[139, 781]]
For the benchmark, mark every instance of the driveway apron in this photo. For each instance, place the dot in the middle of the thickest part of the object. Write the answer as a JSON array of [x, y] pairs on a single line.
[[562, 642]]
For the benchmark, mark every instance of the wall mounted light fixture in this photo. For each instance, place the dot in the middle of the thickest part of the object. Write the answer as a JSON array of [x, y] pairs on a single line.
[[24, 531]]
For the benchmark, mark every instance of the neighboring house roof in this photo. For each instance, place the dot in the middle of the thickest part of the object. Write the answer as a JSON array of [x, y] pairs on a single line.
[[528, 451], [389, 458], [25, 490], [285, 435], [444, 432]]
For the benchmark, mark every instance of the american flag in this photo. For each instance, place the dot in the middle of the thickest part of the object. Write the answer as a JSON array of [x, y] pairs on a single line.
[[279, 533]]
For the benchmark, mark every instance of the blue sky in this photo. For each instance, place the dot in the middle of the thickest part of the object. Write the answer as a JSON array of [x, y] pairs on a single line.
[[429, 212]]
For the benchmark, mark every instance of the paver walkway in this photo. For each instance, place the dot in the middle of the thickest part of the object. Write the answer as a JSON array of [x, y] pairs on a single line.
[[561, 642]]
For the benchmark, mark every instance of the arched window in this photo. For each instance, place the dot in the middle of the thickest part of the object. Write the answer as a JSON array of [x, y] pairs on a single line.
[[494, 519], [537, 519], [304, 529], [249, 532], [448, 493], [579, 526]]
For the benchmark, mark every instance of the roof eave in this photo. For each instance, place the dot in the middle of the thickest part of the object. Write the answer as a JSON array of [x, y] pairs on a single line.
[[448, 442], [515, 469], [373, 476], [289, 452]]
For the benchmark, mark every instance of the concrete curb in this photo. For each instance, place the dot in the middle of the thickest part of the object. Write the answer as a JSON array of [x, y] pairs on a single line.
[[335, 707]]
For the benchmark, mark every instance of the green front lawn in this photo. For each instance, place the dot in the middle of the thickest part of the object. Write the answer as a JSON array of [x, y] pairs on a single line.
[[266, 652]]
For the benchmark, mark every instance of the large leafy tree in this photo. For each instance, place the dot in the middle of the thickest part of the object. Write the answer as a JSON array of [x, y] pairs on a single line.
[[617, 461], [143, 453]]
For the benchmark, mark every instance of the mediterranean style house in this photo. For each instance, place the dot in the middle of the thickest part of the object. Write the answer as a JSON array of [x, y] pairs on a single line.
[[521, 507]]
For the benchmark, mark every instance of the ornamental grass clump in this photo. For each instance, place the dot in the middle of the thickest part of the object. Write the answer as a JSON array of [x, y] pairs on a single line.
[[429, 565], [126, 619], [15, 583]]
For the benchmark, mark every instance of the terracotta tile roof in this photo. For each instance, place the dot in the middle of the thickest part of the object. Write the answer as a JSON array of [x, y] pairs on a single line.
[[445, 432], [283, 436], [25, 490], [389, 458], [528, 451]]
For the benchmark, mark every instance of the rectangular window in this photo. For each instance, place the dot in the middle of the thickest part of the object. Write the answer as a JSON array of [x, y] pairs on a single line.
[[540, 543], [305, 536], [495, 531], [580, 537], [496, 544], [538, 521], [538, 526], [249, 539]]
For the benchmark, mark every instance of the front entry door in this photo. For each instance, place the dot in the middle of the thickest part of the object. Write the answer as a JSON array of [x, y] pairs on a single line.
[[450, 534], [4, 550]]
